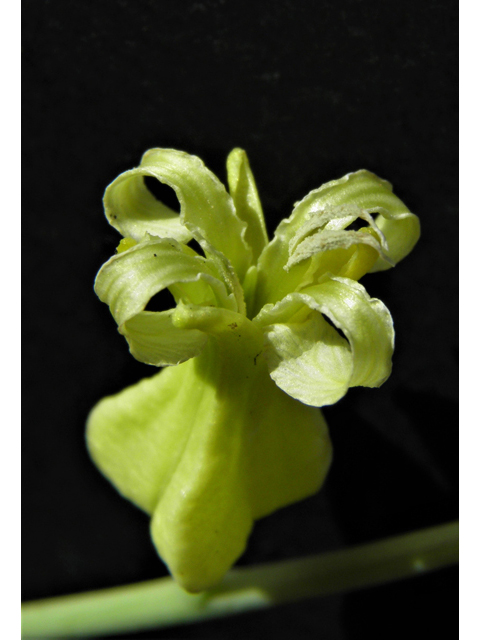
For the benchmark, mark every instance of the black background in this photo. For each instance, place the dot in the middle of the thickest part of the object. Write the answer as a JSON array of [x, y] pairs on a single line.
[[312, 90]]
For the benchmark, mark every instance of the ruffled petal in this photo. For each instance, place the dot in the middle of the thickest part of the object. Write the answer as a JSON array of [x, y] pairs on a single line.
[[331, 205], [310, 360], [129, 280], [206, 209], [247, 203], [365, 190], [331, 241]]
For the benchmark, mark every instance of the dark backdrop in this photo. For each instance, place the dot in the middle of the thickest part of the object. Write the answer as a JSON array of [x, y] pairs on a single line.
[[311, 90]]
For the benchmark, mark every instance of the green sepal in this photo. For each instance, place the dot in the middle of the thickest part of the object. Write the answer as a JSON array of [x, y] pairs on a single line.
[[207, 447], [154, 339]]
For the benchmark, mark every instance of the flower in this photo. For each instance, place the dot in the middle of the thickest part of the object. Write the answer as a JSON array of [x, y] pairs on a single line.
[[262, 334]]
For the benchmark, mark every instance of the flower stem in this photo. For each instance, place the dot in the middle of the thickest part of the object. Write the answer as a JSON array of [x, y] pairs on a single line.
[[160, 603]]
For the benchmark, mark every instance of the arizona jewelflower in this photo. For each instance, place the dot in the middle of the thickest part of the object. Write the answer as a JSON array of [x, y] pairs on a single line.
[[262, 334]]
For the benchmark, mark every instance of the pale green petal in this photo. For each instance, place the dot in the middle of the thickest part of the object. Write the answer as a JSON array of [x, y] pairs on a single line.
[[206, 209], [333, 218], [129, 280], [252, 450], [401, 230], [330, 241], [367, 324], [247, 203], [134, 211], [309, 360], [209, 446], [374, 195], [363, 190]]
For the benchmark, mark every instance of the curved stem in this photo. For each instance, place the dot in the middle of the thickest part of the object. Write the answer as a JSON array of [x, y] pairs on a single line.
[[160, 603]]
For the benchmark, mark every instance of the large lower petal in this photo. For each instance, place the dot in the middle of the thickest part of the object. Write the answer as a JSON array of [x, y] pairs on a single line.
[[312, 361]]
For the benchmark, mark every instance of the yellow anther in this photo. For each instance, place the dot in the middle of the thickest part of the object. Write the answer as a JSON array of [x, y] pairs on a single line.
[[125, 244]]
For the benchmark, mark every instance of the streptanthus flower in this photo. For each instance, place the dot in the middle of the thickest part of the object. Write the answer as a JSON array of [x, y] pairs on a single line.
[[262, 334]]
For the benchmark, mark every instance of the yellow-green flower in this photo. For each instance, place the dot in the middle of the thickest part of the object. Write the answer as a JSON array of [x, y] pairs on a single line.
[[233, 432]]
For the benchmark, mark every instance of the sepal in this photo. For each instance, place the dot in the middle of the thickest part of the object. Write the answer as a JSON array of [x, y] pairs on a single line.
[[207, 448]]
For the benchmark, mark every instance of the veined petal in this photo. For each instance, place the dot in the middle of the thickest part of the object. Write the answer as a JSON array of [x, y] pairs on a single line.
[[367, 324], [330, 241], [373, 195], [311, 361], [128, 281], [247, 203], [332, 219], [206, 209], [307, 359], [362, 190]]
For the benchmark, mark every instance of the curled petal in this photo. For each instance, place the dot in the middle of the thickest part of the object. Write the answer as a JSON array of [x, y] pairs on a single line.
[[331, 240], [361, 190], [134, 211], [402, 231], [370, 193], [129, 280], [309, 359], [206, 209], [333, 219]]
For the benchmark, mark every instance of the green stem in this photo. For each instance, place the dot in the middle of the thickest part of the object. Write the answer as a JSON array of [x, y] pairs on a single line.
[[160, 603]]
